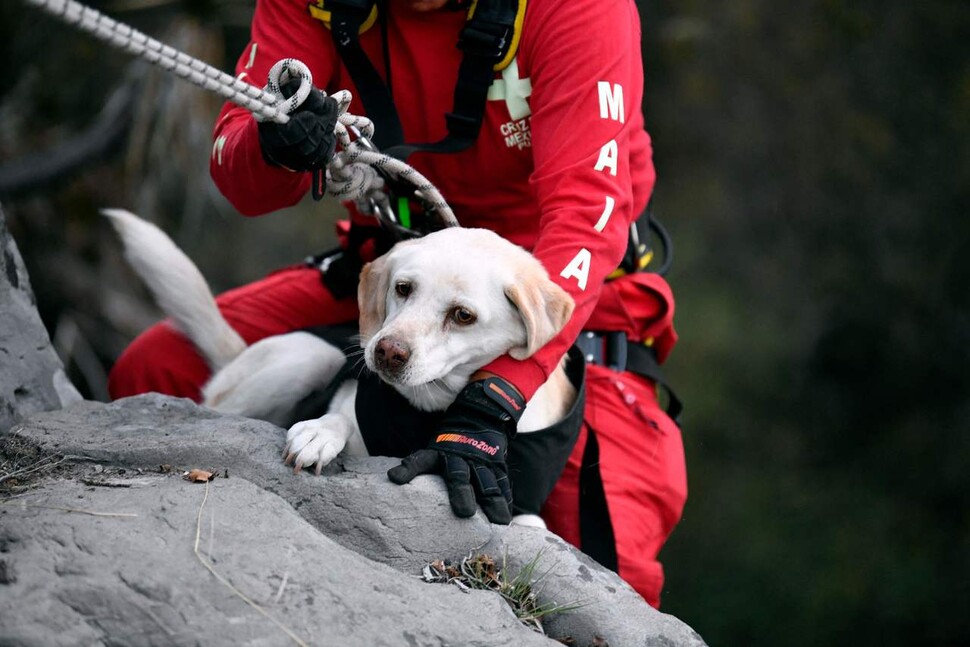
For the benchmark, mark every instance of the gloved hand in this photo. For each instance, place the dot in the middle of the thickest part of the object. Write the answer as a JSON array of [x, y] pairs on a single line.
[[469, 448], [306, 142]]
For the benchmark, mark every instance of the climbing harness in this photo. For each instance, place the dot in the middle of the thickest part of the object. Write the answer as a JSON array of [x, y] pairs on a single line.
[[640, 252], [358, 171], [488, 41]]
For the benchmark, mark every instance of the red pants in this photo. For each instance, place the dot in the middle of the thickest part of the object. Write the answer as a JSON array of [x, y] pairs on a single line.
[[641, 453], [641, 464]]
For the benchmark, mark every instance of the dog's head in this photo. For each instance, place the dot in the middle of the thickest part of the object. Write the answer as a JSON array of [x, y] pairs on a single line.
[[436, 309]]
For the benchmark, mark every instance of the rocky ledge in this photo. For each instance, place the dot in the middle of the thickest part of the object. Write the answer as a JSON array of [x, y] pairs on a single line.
[[105, 540]]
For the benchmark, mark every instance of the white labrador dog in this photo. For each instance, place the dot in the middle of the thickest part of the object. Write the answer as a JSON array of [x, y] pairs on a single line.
[[432, 312]]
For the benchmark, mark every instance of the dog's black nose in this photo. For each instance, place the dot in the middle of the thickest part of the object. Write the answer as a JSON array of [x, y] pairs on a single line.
[[391, 355]]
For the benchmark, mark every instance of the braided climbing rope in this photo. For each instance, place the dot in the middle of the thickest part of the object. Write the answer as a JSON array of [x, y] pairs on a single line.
[[355, 173]]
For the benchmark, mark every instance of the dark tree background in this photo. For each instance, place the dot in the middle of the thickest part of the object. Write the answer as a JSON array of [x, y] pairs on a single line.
[[814, 165]]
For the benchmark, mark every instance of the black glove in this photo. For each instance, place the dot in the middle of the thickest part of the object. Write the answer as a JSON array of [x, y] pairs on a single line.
[[306, 142], [469, 447]]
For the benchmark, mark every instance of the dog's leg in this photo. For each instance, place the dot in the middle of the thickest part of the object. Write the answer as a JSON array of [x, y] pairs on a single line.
[[317, 442], [267, 379], [530, 520]]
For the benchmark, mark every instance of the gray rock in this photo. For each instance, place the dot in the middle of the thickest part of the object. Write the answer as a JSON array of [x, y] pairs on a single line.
[[98, 531], [137, 580], [32, 378], [608, 606], [352, 504]]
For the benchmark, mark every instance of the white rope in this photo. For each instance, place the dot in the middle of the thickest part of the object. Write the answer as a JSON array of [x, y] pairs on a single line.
[[191, 69], [353, 172]]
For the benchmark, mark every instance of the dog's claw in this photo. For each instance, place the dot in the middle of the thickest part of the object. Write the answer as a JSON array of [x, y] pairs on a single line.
[[314, 443]]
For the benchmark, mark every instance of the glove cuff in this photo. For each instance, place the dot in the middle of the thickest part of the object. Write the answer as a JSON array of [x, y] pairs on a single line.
[[495, 391]]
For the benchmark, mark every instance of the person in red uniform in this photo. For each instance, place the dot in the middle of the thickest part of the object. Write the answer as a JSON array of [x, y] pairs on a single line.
[[562, 165]]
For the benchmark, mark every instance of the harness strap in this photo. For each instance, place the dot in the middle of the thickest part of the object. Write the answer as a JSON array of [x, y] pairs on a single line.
[[485, 41], [616, 352], [346, 19], [642, 360]]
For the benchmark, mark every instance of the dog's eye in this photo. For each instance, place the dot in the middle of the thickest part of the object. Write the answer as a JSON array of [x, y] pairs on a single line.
[[463, 317], [403, 289]]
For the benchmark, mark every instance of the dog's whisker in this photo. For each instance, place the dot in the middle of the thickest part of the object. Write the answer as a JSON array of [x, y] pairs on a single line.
[[354, 341], [359, 366], [440, 386]]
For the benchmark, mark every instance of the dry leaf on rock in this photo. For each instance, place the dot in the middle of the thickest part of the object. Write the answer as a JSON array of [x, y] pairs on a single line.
[[198, 476]]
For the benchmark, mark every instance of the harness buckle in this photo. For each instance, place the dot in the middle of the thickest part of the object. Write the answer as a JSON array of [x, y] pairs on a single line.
[[486, 39], [613, 350], [604, 349]]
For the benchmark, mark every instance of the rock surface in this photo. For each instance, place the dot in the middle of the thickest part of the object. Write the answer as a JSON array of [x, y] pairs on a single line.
[[103, 542], [77, 579], [348, 537], [31, 376]]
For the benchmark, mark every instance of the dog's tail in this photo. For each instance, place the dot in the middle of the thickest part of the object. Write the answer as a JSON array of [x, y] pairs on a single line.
[[177, 286]]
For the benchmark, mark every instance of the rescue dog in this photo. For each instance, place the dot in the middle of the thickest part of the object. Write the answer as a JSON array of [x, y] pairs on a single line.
[[433, 311]]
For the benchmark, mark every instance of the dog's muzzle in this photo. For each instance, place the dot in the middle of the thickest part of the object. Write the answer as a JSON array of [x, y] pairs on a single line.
[[391, 356]]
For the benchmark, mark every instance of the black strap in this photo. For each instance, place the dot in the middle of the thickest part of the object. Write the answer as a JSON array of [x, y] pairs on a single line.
[[642, 360], [484, 41], [346, 18], [596, 537], [316, 403], [613, 350], [340, 267]]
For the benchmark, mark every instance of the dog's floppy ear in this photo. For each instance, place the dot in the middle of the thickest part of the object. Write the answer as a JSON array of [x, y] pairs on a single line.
[[372, 296], [544, 307]]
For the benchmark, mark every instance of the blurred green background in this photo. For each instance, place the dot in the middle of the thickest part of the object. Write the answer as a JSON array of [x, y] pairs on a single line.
[[814, 170]]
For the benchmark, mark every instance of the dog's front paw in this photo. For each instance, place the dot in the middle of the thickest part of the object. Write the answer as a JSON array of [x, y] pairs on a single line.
[[530, 520], [315, 442]]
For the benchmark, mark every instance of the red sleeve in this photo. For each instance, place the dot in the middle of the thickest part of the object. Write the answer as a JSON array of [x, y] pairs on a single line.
[[280, 29], [593, 169]]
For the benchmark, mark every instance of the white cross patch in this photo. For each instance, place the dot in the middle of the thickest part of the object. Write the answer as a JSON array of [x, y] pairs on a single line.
[[513, 90]]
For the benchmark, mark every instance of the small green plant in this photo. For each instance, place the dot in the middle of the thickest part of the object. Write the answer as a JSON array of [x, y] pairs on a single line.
[[480, 572]]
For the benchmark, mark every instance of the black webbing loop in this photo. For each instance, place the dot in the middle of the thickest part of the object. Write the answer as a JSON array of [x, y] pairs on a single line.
[[642, 360], [640, 251]]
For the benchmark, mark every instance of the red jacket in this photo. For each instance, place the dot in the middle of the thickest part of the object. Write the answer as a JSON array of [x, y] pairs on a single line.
[[562, 164]]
